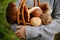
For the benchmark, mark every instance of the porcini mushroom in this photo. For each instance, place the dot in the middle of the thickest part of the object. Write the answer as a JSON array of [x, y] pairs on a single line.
[[11, 13], [46, 18], [37, 12], [29, 11], [46, 8]]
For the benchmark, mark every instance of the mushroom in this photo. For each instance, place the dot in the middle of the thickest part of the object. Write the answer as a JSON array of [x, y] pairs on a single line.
[[35, 21], [46, 18], [29, 11], [37, 12], [46, 15], [46, 8], [19, 12], [25, 12], [11, 13]]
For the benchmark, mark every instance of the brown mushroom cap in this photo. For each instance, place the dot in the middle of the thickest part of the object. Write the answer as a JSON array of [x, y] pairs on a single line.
[[36, 13], [46, 18], [11, 13]]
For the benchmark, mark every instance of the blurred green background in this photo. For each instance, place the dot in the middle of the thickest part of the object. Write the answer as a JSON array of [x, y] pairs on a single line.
[[6, 32]]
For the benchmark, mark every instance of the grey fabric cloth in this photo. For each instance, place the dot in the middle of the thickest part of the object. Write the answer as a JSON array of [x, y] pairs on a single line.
[[44, 32]]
